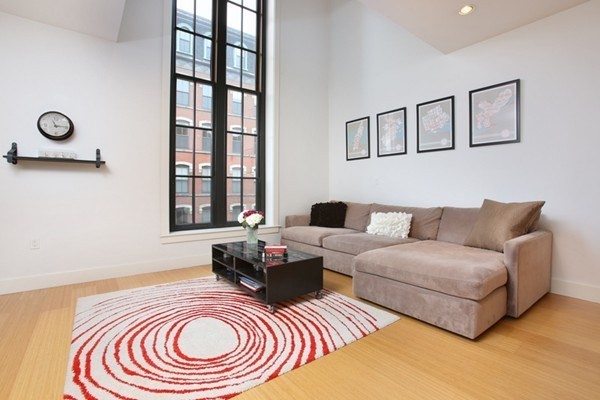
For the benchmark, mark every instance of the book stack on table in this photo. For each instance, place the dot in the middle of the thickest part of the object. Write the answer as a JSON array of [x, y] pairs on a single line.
[[250, 284], [275, 251]]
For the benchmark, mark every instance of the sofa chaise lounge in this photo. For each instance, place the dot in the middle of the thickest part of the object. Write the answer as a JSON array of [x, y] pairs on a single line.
[[432, 275]]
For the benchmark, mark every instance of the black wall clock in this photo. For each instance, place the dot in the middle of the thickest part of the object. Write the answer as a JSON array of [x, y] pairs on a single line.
[[55, 125]]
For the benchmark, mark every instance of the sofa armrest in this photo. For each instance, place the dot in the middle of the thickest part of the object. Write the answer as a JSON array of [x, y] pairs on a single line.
[[528, 259], [297, 220]]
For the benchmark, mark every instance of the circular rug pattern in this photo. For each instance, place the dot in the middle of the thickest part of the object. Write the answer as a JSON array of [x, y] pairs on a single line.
[[202, 339]]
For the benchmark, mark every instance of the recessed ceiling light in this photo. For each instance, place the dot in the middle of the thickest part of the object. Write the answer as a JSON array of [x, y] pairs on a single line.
[[466, 10]]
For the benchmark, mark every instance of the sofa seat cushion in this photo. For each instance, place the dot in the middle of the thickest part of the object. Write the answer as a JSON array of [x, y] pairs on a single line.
[[312, 235], [449, 268], [357, 243]]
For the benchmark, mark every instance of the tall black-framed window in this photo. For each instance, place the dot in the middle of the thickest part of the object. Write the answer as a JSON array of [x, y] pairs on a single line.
[[217, 83]]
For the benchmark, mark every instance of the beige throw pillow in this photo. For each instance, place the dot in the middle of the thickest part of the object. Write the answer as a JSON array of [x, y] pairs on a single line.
[[498, 222]]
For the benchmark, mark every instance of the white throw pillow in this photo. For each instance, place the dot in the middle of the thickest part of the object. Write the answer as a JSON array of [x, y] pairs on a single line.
[[392, 224]]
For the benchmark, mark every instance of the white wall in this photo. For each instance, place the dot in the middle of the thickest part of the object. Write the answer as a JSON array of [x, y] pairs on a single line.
[[91, 223], [303, 110], [377, 66]]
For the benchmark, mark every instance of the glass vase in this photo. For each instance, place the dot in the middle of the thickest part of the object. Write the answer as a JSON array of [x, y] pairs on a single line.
[[251, 235]]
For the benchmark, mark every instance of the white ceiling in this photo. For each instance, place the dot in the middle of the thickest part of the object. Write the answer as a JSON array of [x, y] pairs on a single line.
[[100, 18], [435, 21]]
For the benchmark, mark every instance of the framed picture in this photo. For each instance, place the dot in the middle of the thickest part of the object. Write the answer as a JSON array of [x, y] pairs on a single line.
[[494, 114], [391, 133], [435, 125], [357, 139]]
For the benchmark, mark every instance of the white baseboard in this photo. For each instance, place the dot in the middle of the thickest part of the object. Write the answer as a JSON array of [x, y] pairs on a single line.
[[34, 282], [577, 290]]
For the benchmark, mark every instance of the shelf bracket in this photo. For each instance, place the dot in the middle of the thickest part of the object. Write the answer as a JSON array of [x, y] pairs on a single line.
[[98, 158], [11, 156]]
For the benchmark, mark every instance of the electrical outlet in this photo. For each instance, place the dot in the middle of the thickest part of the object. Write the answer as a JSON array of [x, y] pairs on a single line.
[[35, 244]]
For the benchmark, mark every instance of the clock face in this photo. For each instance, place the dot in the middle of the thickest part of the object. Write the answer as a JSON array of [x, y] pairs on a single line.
[[55, 125]]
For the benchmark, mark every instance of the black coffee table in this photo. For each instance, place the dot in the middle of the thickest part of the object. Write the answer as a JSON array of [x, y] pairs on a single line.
[[274, 280]]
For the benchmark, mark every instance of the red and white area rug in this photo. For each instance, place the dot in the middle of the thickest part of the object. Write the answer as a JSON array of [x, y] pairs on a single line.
[[202, 339]]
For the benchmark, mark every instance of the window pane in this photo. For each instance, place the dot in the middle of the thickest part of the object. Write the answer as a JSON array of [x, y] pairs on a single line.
[[204, 104], [184, 41], [185, 13], [205, 101], [203, 200], [250, 156], [235, 170], [183, 211], [182, 138], [184, 157], [204, 142], [204, 184], [204, 212], [234, 146], [203, 16], [235, 104], [249, 30], [234, 123], [234, 66], [234, 185], [182, 170], [249, 190], [234, 208], [250, 109], [250, 202], [248, 67], [184, 93], [234, 23], [249, 198], [203, 58], [207, 48], [183, 186]]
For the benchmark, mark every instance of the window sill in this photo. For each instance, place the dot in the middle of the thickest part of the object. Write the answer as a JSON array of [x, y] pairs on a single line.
[[214, 234]]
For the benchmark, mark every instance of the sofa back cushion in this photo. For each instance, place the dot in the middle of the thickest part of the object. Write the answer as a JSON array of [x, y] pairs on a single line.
[[425, 221], [357, 216], [456, 224]]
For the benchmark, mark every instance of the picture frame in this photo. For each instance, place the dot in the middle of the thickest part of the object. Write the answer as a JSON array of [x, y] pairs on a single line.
[[358, 144], [494, 114], [391, 133], [435, 125]]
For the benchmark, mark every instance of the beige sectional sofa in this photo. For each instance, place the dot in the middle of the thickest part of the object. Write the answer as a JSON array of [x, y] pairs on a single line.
[[431, 275]]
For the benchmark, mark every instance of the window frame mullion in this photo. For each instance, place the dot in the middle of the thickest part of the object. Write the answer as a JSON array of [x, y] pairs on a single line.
[[220, 116]]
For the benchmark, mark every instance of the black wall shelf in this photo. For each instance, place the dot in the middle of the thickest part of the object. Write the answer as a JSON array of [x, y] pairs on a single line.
[[12, 158]]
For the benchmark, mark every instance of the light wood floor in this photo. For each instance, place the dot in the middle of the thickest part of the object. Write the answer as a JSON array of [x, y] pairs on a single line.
[[551, 352]]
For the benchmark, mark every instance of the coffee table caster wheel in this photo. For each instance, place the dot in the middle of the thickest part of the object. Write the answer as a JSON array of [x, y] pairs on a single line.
[[318, 295], [217, 277], [271, 308]]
